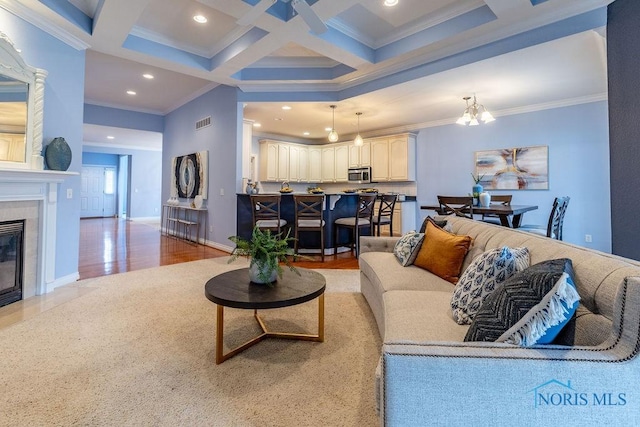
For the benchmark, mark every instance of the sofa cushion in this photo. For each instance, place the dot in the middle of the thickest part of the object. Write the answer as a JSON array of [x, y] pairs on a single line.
[[407, 247], [442, 223], [386, 274], [482, 276], [442, 253], [524, 309], [420, 316]]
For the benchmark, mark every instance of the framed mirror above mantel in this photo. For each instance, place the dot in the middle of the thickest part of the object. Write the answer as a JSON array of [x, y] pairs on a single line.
[[21, 110]]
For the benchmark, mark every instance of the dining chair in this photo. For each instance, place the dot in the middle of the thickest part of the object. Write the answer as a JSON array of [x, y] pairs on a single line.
[[266, 212], [502, 199], [553, 229], [362, 219], [308, 218], [457, 205], [385, 212]]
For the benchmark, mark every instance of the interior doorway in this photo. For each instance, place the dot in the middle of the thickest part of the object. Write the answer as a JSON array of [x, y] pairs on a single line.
[[98, 191]]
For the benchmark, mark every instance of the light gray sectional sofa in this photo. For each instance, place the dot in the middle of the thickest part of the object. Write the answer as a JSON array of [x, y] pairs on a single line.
[[428, 376]]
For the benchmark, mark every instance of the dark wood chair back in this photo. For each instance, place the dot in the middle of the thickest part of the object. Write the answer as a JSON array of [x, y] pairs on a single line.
[[387, 203], [556, 218], [308, 217], [366, 202], [266, 211], [309, 207], [458, 205], [504, 199]]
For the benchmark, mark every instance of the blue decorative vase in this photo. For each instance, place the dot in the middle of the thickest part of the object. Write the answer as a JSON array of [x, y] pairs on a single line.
[[58, 154], [475, 192]]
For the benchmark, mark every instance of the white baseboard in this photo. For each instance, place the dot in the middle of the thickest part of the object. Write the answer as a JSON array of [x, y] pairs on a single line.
[[144, 218], [61, 281], [219, 246]]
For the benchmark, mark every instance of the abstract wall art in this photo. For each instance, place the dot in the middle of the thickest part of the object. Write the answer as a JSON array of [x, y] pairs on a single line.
[[524, 168], [189, 175]]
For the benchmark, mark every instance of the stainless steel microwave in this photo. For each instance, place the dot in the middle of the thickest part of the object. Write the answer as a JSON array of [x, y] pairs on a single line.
[[359, 175]]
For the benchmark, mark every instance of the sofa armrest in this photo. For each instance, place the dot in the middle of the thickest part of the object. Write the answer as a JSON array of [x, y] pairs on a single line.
[[468, 385], [377, 244]]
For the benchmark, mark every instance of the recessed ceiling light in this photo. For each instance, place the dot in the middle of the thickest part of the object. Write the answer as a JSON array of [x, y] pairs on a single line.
[[328, 129], [200, 19], [390, 3], [147, 76], [131, 92], [305, 133], [111, 137], [257, 125], [286, 107]]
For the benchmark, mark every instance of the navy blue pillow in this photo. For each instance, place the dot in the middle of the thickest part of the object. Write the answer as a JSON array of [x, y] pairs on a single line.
[[531, 307]]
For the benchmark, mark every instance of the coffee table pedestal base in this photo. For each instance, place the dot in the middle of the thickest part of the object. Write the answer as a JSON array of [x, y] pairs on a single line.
[[221, 357]]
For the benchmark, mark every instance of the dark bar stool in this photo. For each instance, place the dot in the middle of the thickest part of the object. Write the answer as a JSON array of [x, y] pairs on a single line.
[[362, 219], [308, 215], [385, 212]]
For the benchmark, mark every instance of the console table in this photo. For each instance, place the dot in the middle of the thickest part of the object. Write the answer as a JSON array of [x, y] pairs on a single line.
[[178, 221]]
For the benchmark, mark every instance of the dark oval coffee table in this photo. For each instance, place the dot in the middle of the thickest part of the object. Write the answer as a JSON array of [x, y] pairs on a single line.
[[233, 289]]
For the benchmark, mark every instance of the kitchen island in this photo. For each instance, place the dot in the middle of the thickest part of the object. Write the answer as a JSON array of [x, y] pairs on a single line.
[[337, 205]]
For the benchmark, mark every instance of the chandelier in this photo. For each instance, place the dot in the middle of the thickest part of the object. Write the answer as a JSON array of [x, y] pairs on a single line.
[[358, 140], [470, 115], [333, 135]]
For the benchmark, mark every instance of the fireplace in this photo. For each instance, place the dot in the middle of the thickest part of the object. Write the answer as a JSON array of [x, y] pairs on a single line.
[[11, 264]]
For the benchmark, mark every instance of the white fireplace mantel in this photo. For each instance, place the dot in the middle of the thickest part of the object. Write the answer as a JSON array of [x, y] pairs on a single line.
[[42, 186]]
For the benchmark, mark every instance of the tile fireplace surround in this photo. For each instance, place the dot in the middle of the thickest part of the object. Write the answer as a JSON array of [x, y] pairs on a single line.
[[33, 195]]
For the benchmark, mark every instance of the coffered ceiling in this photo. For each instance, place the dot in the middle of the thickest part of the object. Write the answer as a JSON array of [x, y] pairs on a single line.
[[404, 66]]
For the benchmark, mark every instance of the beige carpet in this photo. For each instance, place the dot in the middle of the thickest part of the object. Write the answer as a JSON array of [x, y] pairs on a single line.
[[139, 351]]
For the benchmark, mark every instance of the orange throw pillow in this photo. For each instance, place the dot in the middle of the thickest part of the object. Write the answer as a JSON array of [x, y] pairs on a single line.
[[442, 253]]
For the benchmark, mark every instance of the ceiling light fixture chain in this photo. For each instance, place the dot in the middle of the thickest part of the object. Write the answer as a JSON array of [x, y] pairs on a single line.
[[333, 135], [470, 115], [358, 141]]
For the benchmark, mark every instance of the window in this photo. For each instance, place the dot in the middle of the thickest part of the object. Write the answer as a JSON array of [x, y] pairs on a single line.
[[109, 181]]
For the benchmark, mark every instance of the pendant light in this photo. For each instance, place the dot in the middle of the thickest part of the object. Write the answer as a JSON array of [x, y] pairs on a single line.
[[333, 135], [358, 140]]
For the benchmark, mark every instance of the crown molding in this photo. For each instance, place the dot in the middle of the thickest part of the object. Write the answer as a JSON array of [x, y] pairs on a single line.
[[23, 12], [122, 107], [116, 145]]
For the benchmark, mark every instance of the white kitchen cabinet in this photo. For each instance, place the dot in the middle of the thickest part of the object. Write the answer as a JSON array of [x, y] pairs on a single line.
[[315, 164], [268, 160], [283, 162], [360, 156], [341, 173], [328, 164], [303, 164], [393, 158], [294, 163], [380, 160]]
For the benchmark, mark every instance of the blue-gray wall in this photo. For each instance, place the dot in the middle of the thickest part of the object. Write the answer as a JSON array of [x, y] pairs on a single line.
[[578, 142], [222, 140], [623, 64], [100, 159], [63, 116], [145, 178]]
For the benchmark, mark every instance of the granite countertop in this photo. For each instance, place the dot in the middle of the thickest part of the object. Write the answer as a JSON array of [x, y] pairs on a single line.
[[338, 193]]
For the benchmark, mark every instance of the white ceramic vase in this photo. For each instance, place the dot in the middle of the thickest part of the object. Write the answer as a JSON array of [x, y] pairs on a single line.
[[254, 273], [485, 199]]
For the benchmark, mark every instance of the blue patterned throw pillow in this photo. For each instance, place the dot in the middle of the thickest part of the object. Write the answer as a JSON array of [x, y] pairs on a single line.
[[529, 308], [407, 247], [482, 276]]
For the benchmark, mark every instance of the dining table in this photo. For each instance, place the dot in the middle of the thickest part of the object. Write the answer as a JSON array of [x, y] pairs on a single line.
[[510, 215]]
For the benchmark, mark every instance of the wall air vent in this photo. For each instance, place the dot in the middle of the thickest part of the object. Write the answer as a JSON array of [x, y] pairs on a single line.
[[203, 123]]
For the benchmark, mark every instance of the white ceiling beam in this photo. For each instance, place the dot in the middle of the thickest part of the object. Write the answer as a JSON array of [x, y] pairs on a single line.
[[504, 8], [113, 22]]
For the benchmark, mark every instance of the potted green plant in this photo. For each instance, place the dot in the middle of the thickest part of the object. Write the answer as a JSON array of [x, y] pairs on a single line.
[[266, 251]]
